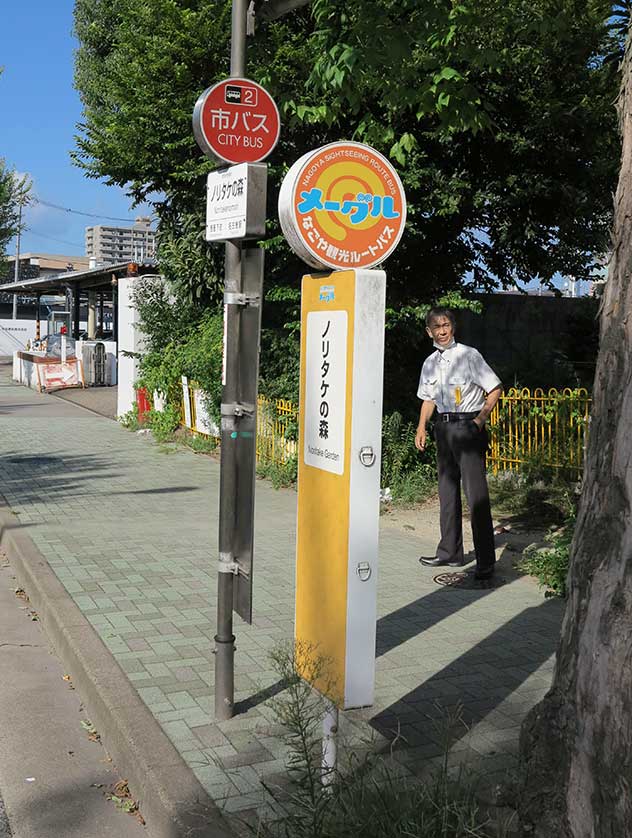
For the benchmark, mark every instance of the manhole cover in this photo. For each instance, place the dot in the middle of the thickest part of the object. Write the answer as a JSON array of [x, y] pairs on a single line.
[[466, 581]]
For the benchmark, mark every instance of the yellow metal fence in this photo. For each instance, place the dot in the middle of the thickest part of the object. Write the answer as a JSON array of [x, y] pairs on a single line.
[[277, 425], [537, 427], [277, 430]]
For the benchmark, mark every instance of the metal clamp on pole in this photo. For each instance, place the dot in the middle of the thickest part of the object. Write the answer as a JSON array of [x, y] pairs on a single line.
[[237, 409], [228, 567], [234, 298]]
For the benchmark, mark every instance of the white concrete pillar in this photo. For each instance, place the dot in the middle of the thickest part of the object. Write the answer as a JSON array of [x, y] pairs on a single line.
[[129, 340], [92, 315]]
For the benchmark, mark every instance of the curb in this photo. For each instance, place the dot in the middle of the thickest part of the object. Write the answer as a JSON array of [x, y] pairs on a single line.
[[171, 799]]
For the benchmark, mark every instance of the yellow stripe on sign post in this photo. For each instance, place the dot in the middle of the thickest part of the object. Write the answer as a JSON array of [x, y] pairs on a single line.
[[342, 358]]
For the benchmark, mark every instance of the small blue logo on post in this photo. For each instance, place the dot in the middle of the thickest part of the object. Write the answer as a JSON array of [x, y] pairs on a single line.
[[327, 293]]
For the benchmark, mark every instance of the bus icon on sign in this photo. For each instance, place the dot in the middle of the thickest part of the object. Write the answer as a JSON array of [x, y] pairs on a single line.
[[235, 94]]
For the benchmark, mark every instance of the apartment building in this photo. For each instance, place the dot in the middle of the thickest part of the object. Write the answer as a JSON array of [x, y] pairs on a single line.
[[112, 245]]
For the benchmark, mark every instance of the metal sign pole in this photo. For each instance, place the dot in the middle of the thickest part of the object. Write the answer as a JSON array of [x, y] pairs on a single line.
[[238, 38], [225, 639]]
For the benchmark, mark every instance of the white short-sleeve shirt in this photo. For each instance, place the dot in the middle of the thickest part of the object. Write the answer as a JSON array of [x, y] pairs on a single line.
[[456, 379]]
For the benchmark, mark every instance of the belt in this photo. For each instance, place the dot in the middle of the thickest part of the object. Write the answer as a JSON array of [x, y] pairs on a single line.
[[456, 417]]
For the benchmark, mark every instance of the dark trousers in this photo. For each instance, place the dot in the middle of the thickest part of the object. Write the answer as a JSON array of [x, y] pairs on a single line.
[[461, 448]]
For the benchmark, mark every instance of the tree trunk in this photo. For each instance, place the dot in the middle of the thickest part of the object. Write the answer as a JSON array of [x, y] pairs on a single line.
[[576, 745]]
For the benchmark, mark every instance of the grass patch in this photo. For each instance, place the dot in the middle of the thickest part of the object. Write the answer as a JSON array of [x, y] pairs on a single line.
[[198, 443], [281, 475]]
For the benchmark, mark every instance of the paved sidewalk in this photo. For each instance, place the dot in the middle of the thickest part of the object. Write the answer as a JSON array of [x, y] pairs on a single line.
[[100, 400], [130, 529]]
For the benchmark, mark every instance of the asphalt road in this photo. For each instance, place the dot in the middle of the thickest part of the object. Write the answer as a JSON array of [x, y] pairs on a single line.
[[54, 777]]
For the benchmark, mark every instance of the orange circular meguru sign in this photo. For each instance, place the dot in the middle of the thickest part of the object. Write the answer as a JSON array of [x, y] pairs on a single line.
[[342, 206]]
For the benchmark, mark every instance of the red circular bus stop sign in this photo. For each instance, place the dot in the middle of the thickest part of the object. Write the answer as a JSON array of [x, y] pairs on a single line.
[[236, 120]]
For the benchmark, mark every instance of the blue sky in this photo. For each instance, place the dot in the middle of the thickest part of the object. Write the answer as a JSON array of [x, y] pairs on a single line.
[[40, 110]]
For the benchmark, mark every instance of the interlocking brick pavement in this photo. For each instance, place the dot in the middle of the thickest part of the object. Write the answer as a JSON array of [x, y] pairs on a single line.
[[130, 529]]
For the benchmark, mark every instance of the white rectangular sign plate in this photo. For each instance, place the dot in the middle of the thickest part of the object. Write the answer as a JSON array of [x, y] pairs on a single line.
[[227, 203], [325, 390], [236, 202]]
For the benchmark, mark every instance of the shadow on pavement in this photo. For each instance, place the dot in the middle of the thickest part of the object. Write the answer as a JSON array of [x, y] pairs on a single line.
[[479, 680], [260, 697], [424, 613], [470, 678], [32, 478], [165, 490]]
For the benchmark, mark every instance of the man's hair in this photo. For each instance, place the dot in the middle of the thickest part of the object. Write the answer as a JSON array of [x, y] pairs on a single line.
[[435, 313]]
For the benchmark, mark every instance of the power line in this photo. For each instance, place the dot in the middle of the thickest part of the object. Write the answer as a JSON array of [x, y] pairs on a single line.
[[32, 232], [80, 212]]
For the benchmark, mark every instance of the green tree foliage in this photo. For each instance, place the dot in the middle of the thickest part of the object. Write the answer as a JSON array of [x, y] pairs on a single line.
[[179, 339], [8, 211], [498, 113], [502, 113]]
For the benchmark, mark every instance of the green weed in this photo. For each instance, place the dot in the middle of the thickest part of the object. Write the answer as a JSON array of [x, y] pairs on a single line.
[[164, 423], [410, 475], [129, 420], [549, 565], [199, 443], [367, 795], [281, 475]]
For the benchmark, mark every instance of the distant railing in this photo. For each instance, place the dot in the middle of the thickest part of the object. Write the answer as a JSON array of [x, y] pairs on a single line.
[[527, 427], [277, 424], [543, 428], [277, 430]]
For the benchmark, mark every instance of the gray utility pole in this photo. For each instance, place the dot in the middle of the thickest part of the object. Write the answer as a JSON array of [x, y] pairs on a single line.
[[273, 9], [242, 326], [16, 272]]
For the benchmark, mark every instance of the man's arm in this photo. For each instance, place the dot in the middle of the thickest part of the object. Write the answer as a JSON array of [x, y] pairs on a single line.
[[490, 404], [427, 409]]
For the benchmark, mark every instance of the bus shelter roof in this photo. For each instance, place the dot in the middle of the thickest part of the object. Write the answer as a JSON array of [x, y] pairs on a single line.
[[89, 280]]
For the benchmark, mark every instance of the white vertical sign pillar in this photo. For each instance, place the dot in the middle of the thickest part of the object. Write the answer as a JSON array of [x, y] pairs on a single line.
[[129, 340]]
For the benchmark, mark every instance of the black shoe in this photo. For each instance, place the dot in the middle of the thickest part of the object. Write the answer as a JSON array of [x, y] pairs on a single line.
[[437, 562], [484, 573]]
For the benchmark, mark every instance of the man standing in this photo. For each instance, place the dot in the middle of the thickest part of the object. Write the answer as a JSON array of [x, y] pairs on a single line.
[[455, 379]]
